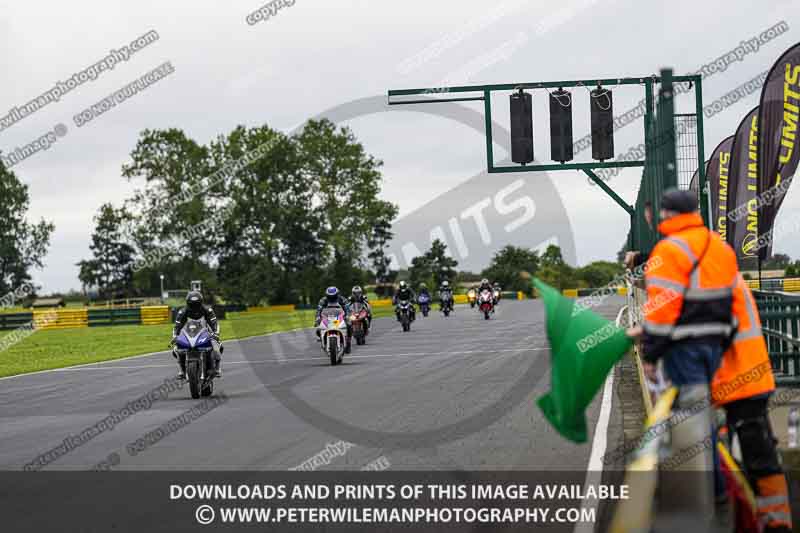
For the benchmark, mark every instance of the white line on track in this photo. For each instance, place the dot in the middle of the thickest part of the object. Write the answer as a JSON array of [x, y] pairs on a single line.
[[594, 472]]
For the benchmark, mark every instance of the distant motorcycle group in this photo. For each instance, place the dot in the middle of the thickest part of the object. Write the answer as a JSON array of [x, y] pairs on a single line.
[[486, 297], [339, 320], [404, 302], [196, 341]]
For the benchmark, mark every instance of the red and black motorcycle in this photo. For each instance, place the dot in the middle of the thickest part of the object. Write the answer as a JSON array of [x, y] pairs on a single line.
[[358, 319], [486, 303]]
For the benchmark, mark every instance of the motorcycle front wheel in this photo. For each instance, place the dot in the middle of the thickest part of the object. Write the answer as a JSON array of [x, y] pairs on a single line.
[[193, 377], [333, 350]]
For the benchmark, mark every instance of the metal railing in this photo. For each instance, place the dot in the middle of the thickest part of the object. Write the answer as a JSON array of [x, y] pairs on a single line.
[[780, 323]]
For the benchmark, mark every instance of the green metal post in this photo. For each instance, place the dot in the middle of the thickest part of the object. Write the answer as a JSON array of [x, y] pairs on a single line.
[[487, 117], [701, 156], [667, 119]]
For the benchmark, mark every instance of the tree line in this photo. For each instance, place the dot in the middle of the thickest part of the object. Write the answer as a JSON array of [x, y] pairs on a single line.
[[302, 215]]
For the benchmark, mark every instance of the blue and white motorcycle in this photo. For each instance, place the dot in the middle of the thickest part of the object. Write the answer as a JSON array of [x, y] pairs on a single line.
[[424, 301], [194, 341]]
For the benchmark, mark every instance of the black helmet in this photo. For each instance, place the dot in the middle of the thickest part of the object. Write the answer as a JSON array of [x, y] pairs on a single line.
[[679, 201], [402, 284], [332, 295], [194, 301]]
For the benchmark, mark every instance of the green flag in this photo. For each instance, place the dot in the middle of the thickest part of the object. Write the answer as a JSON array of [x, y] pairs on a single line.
[[583, 347]]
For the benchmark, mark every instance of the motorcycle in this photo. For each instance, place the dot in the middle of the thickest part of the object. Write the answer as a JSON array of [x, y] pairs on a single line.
[[358, 319], [472, 297], [404, 312], [333, 333], [194, 342], [496, 294], [424, 304], [486, 303], [446, 298]]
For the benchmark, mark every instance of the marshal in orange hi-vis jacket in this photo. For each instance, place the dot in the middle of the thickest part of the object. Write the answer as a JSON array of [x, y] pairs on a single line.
[[690, 294]]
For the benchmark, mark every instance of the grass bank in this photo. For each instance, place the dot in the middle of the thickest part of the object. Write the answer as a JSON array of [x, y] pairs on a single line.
[[48, 349]]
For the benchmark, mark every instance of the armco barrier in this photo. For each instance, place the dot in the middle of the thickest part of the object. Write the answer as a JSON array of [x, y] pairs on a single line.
[[64, 318], [775, 284], [10, 321], [156, 314], [581, 293], [114, 317]]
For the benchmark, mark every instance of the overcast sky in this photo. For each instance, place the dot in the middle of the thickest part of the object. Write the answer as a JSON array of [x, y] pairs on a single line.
[[317, 54]]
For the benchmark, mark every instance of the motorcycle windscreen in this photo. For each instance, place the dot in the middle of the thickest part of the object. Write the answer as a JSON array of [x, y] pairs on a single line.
[[329, 314], [195, 331]]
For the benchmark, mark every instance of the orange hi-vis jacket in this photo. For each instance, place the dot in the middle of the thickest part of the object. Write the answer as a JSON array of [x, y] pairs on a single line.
[[745, 370], [690, 279]]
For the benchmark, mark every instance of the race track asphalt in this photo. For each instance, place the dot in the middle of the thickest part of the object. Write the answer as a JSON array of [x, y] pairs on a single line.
[[454, 393]]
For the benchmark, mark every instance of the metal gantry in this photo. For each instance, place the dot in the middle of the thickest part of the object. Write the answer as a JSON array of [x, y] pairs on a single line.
[[660, 169]]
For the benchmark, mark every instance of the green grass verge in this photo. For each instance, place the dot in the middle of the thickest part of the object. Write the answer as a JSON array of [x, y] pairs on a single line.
[[45, 350]]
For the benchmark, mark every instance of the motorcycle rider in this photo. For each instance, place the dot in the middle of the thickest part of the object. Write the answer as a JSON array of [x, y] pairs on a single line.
[[496, 290], [334, 298], [357, 295], [423, 289], [195, 310], [404, 292], [445, 293], [486, 286]]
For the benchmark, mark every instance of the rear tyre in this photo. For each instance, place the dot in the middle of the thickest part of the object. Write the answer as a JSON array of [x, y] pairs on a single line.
[[193, 377], [333, 350], [208, 389]]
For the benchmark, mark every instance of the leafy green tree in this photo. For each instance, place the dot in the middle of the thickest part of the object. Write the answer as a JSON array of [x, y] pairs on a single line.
[[554, 271], [174, 194], [378, 242], [263, 216], [443, 266], [598, 273], [345, 182], [777, 262], [111, 267], [269, 247], [433, 267], [508, 265], [420, 271], [792, 270], [23, 244]]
